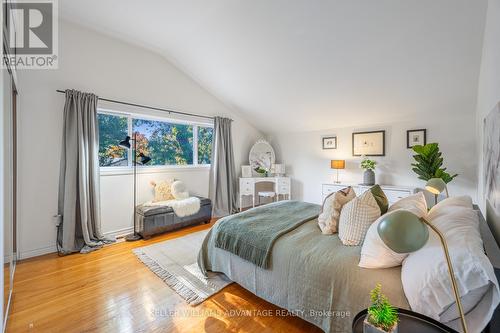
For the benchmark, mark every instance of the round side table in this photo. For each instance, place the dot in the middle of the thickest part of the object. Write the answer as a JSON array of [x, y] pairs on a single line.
[[409, 322]]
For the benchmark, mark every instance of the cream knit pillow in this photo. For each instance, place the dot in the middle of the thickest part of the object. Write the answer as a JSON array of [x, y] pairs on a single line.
[[328, 220], [163, 191], [356, 217]]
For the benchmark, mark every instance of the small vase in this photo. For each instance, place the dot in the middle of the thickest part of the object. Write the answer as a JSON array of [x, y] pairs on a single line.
[[369, 177], [369, 328]]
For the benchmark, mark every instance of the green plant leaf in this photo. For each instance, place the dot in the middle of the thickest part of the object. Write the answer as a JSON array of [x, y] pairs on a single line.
[[428, 163]]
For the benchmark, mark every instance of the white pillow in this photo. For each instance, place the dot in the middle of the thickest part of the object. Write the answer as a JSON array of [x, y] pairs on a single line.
[[448, 205], [356, 217], [374, 253], [425, 277], [328, 220], [179, 190]]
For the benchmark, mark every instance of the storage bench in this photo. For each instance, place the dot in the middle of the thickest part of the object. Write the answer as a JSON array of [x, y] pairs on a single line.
[[158, 219]]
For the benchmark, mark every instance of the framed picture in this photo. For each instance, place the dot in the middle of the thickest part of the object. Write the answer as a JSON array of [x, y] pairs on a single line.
[[491, 162], [330, 142], [246, 171], [368, 143], [416, 137]]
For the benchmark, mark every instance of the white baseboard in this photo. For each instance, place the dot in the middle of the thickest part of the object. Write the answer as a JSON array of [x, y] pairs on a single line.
[[37, 252], [53, 248], [119, 232]]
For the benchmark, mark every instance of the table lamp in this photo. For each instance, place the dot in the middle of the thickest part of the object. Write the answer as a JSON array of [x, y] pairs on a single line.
[[337, 165], [436, 186], [404, 232]]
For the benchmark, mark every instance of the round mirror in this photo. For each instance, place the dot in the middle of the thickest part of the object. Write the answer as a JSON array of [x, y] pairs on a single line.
[[261, 158]]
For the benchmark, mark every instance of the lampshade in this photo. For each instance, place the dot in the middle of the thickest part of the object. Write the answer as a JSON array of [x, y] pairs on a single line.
[[125, 143], [403, 231], [278, 169], [144, 159], [435, 185], [337, 164]]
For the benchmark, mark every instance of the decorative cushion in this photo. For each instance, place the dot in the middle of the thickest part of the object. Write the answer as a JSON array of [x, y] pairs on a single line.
[[162, 190], [179, 190], [380, 197], [328, 219], [374, 253], [425, 278], [444, 207], [356, 217]]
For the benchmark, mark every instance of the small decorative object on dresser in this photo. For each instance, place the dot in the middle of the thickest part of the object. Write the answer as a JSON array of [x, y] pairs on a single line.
[[416, 137], [278, 170], [369, 175], [246, 171], [382, 316], [337, 165], [368, 143], [330, 142]]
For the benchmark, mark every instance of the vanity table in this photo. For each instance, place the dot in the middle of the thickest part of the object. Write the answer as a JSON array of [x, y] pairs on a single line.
[[262, 163], [282, 187]]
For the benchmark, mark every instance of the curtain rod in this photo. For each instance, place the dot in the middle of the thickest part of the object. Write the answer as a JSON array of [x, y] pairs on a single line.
[[149, 107]]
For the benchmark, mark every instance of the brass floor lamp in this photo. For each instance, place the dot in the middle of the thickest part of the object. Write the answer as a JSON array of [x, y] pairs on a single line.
[[404, 232]]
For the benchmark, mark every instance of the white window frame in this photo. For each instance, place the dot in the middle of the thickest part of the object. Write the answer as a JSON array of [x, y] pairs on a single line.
[[116, 170]]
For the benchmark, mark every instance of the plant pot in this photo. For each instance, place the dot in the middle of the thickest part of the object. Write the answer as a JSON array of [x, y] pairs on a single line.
[[369, 328], [369, 177]]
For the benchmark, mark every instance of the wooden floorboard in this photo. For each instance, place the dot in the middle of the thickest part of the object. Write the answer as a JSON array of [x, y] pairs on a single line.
[[110, 290]]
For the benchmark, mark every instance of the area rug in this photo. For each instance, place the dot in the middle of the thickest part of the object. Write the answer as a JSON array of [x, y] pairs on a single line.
[[174, 261]]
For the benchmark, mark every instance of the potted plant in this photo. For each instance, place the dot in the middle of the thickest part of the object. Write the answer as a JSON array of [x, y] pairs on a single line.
[[368, 176], [428, 163], [262, 171], [382, 316]]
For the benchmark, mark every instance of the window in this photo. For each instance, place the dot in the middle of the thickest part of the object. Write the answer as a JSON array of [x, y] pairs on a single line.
[[205, 135], [112, 130], [166, 142]]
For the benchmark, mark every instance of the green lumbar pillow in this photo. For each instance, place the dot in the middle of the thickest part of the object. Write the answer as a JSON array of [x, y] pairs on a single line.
[[381, 199]]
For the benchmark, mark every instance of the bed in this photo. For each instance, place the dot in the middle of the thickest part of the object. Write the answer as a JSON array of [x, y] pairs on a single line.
[[312, 275], [317, 278]]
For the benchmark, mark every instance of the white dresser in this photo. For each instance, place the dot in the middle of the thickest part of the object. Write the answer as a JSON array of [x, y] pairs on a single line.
[[393, 193], [282, 187]]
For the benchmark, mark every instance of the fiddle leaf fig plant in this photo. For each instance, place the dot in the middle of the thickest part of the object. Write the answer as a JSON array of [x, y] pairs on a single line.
[[428, 163], [381, 313]]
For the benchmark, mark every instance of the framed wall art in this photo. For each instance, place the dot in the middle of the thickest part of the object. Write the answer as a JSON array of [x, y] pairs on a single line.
[[368, 143], [416, 137], [330, 142]]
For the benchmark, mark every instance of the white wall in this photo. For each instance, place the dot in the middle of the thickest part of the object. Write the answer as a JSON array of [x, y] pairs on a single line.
[[489, 82], [89, 61], [309, 165]]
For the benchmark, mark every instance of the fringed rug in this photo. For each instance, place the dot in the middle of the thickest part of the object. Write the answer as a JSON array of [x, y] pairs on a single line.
[[174, 261]]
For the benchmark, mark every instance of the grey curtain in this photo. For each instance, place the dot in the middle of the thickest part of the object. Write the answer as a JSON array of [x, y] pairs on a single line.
[[78, 205], [222, 186]]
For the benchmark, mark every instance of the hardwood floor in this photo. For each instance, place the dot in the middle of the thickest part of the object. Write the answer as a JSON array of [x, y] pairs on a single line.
[[110, 290]]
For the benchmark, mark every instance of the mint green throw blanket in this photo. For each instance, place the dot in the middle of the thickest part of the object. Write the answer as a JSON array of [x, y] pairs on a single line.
[[251, 234]]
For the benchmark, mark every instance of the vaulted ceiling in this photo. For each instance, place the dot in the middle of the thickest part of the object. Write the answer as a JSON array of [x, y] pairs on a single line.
[[297, 65]]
